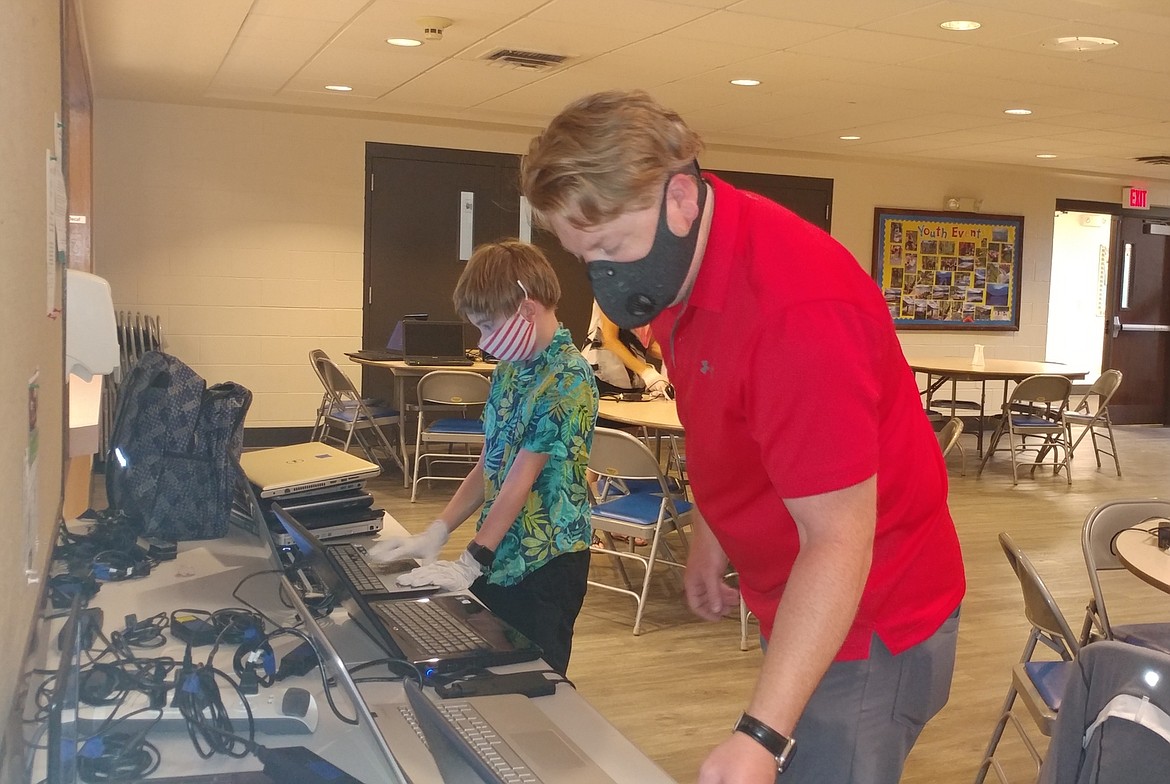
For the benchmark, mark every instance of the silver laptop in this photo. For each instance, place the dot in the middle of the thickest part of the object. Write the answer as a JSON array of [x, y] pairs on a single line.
[[433, 343], [443, 741], [301, 468]]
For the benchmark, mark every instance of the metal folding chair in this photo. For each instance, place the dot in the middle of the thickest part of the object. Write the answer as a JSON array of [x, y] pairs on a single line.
[[645, 512], [344, 416], [1034, 409], [1039, 682], [1104, 388], [444, 398]]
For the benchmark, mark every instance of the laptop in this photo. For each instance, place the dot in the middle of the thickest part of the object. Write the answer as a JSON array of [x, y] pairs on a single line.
[[434, 343], [433, 741], [393, 348], [343, 568], [437, 634], [301, 468]]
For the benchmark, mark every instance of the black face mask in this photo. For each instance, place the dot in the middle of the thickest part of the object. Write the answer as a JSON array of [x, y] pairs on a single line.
[[632, 293]]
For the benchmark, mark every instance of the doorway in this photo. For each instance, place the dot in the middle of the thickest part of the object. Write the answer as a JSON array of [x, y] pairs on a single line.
[[1109, 303]]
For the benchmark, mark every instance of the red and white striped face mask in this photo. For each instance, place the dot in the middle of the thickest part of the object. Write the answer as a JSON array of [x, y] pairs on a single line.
[[514, 340]]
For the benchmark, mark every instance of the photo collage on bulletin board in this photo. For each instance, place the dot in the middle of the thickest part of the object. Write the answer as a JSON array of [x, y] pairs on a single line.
[[949, 270]]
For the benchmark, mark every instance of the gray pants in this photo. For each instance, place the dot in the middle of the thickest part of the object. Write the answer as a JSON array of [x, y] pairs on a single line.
[[865, 715]]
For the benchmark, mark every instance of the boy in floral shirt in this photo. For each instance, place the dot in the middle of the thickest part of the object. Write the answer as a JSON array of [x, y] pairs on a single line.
[[529, 559]]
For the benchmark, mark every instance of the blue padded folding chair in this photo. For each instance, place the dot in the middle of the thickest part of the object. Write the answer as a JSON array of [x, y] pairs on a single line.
[[1034, 409], [1040, 683], [1101, 527], [344, 416], [445, 401], [648, 510]]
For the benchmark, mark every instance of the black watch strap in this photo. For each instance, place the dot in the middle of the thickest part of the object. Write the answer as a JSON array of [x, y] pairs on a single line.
[[779, 746], [482, 555]]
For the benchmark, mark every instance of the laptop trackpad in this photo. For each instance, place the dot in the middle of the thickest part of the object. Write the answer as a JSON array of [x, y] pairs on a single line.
[[547, 752]]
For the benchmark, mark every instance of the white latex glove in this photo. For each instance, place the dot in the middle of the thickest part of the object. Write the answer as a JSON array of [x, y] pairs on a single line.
[[655, 383], [425, 546], [448, 575]]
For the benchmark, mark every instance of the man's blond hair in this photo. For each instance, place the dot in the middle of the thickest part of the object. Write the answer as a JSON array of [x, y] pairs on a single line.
[[488, 285], [604, 155]]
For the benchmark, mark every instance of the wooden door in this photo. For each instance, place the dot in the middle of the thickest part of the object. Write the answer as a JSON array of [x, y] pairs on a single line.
[[414, 217], [809, 197], [1137, 339]]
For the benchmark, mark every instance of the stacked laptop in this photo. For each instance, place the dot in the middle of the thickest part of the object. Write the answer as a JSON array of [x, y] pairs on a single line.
[[324, 486]]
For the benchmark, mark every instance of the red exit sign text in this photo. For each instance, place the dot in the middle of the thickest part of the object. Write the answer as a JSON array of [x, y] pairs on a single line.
[[1135, 198]]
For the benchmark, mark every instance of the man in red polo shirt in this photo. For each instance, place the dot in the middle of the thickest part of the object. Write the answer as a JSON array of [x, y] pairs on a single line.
[[817, 474]]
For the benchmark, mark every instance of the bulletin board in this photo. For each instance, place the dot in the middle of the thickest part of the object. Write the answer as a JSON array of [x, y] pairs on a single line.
[[949, 270]]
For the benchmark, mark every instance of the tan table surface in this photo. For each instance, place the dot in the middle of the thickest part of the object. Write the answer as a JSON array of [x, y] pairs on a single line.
[[962, 369], [658, 414], [1138, 551]]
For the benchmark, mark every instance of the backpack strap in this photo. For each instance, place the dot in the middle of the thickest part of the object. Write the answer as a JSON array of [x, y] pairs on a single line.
[[1132, 708]]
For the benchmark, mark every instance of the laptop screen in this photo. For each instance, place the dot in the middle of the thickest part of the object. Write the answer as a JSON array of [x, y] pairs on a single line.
[[435, 339]]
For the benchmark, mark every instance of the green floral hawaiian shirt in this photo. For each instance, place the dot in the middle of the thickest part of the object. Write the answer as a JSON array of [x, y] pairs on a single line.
[[547, 404]]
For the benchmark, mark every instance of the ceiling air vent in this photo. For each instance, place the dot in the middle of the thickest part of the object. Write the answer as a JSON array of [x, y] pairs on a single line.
[[531, 61], [1157, 160]]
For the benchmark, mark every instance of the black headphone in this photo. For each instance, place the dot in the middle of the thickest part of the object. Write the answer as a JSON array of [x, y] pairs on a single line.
[[114, 565], [63, 587]]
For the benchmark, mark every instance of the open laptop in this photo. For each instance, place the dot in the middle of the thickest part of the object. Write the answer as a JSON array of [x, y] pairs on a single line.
[[437, 634], [301, 468], [444, 741], [393, 348], [434, 343], [343, 568]]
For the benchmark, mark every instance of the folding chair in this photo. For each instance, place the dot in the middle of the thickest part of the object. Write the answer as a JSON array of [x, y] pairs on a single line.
[[1103, 389], [444, 397], [1040, 682], [1034, 409], [1114, 724], [948, 439], [344, 415], [644, 512], [1101, 527]]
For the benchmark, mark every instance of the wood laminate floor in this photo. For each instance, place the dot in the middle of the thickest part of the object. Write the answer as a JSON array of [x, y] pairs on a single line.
[[676, 689]]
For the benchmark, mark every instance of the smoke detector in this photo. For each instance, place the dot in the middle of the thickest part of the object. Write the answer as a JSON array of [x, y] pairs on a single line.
[[525, 60], [433, 26]]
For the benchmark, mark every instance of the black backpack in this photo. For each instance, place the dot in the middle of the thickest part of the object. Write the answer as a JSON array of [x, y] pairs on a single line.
[[174, 451]]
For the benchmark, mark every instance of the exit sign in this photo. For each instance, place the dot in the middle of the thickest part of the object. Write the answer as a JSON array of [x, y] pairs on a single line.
[[1135, 198]]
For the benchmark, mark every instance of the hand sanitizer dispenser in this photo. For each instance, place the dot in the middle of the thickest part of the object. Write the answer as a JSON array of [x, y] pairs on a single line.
[[91, 333]]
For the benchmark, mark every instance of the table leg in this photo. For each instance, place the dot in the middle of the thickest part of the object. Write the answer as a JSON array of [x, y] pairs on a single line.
[[400, 394]]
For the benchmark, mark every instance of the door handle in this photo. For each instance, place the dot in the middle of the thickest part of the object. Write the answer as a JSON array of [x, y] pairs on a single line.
[[1118, 327]]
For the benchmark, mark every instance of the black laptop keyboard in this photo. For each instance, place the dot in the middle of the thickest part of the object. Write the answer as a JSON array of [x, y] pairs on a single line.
[[433, 628], [488, 745], [348, 559]]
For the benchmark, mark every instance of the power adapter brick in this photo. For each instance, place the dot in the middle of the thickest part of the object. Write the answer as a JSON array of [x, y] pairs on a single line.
[[298, 764]]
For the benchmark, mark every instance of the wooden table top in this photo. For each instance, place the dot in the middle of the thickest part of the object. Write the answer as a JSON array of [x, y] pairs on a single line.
[[660, 413], [1138, 551], [991, 369], [400, 368]]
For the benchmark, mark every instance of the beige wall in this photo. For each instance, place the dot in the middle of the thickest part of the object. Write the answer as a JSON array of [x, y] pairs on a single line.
[[243, 230], [29, 96]]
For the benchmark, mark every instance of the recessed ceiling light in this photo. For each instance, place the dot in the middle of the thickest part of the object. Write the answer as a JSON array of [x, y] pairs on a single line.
[[848, 138], [339, 88], [404, 42], [1080, 43], [1045, 155], [745, 82], [1020, 112], [960, 25]]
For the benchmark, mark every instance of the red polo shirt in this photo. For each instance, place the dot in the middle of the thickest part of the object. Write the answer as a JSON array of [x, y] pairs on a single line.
[[791, 382]]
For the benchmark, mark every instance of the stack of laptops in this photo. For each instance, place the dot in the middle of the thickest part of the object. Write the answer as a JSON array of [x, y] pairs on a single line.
[[323, 485], [434, 343]]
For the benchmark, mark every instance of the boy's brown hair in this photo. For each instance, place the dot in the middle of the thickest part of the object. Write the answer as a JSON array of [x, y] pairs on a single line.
[[604, 155], [488, 284]]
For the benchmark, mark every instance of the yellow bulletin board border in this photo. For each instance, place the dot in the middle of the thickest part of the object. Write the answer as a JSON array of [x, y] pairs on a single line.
[[949, 270]]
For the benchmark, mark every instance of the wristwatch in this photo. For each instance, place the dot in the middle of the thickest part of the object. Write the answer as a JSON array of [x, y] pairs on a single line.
[[779, 746], [482, 555]]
